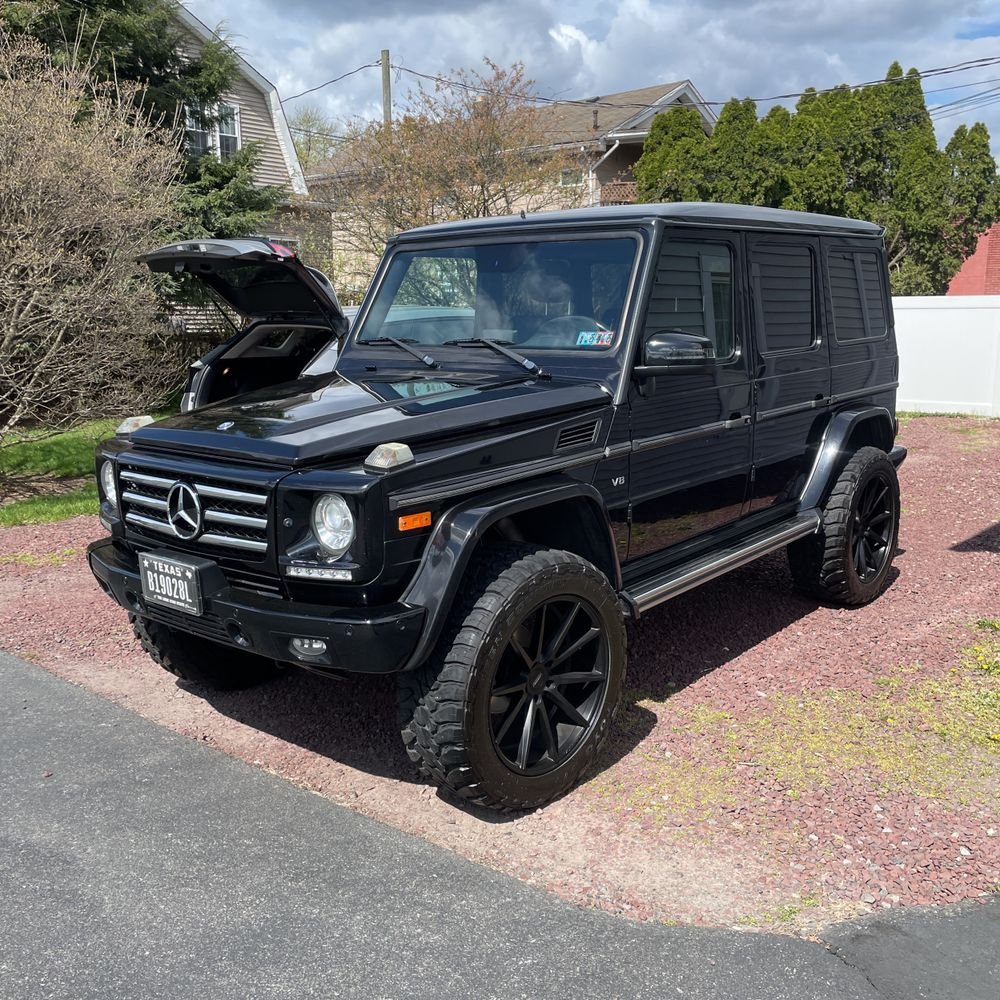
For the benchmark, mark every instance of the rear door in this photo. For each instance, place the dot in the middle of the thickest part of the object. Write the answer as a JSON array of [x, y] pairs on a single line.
[[791, 365]]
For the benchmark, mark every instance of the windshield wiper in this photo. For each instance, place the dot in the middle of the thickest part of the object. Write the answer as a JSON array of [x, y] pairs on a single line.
[[499, 346], [403, 346]]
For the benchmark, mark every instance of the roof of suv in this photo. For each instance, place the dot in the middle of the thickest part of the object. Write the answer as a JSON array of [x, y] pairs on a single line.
[[683, 212]]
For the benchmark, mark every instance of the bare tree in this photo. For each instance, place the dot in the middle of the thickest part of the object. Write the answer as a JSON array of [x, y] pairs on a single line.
[[470, 147], [86, 183]]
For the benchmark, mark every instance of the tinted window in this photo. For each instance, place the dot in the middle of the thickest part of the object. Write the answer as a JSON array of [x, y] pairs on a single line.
[[784, 279], [858, 295], [694, 293], [542, 294]]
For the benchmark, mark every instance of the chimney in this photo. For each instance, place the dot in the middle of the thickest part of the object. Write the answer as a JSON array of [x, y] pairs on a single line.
[[596, 125]]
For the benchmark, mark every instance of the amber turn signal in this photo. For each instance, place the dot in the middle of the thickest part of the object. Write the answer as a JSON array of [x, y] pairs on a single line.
[[411, 521]]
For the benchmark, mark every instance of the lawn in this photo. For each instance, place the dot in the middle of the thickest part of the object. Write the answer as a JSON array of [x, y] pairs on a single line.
[[49, 477]]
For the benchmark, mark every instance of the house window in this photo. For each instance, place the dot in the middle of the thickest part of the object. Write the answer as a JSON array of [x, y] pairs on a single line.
[[570, 177], [213, 130]]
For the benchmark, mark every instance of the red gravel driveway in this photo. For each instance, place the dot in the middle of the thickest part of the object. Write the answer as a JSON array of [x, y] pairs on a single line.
[[777, 763]]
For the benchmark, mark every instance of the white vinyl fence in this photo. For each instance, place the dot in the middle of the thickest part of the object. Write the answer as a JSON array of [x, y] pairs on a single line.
[[949, 353]]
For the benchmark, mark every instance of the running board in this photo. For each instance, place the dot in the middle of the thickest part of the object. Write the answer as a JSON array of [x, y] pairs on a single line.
[[675, 581]]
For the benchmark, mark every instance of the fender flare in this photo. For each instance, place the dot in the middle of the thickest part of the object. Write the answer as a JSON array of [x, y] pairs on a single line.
[[832, 451], [457, 534]]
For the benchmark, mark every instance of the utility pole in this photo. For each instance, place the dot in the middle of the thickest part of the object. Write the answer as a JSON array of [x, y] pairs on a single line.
[[386, 92]]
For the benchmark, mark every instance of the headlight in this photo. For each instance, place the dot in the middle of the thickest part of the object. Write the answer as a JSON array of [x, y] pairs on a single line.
[[108, 486], [333, 524]]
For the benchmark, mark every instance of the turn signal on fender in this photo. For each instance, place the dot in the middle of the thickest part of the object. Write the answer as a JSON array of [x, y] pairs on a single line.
[[411, 521]]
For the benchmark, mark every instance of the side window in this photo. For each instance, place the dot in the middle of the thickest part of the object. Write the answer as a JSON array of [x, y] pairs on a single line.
[[693, 292], [858, 294], [783, 276]]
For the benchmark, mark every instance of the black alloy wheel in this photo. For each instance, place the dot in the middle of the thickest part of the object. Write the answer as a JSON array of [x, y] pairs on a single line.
[[872, 528], [549, 686]]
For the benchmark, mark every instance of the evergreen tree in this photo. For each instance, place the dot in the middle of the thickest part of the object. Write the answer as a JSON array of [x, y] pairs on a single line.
[[868, 153]]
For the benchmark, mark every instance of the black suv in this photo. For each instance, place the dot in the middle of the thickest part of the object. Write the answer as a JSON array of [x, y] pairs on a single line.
[[537, 427]]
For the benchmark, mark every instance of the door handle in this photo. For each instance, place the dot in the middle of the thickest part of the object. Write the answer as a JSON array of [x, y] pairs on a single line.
[[737, 420]]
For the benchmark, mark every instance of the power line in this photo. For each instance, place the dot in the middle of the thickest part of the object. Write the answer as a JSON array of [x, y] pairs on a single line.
[[336, 79]]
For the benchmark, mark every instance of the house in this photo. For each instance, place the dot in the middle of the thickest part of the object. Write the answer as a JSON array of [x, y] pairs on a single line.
[[980, 274], [605, 135], [252, 113]]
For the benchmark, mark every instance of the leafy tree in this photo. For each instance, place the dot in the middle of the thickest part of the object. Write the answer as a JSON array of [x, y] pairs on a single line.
[[868, 153], [80, 195], [466, 149], [140, 42], [317, 137]]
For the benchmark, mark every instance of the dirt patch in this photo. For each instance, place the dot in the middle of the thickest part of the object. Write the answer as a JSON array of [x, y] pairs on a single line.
[[777, 763], [16, 488]]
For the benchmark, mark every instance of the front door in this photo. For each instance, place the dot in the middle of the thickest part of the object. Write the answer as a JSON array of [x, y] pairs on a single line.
[[691, 433]]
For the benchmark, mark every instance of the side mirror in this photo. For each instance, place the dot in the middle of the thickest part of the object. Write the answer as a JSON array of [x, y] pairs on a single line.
[[678, 351]]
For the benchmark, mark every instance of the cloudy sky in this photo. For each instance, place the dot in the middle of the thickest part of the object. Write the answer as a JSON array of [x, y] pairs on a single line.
[[726, 48]]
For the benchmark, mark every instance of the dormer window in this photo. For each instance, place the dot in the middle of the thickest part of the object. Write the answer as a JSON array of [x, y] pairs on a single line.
[[213, 130]]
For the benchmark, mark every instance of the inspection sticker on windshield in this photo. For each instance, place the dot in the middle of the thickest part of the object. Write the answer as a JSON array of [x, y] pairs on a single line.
[[595, 338]]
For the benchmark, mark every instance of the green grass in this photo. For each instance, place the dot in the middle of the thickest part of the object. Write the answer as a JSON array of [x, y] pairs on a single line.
[[45, 509], [68, 454]]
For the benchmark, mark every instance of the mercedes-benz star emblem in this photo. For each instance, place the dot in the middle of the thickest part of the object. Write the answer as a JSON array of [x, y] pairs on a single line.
[[184, 511], [225, 425]]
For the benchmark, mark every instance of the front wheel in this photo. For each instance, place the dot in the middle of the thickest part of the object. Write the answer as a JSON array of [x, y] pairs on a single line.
[[519, 697], [848, 560]]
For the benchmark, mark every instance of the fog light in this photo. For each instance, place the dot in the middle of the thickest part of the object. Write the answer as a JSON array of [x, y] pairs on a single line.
[[318, 573], [301, 646]]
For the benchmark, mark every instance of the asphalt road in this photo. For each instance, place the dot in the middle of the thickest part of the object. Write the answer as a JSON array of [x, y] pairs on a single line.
[[136, 863]]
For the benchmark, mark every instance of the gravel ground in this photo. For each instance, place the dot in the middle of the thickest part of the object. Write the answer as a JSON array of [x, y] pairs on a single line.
[[777, 763]]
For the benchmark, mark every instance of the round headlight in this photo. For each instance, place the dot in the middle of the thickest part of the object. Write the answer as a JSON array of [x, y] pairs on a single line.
[[333, 524], [108, 486]]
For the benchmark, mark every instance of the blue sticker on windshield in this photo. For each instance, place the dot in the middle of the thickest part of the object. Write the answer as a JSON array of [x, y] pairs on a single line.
[[595, 338]]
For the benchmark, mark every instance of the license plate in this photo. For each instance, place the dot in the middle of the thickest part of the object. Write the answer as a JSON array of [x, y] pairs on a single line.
[[171, 582]]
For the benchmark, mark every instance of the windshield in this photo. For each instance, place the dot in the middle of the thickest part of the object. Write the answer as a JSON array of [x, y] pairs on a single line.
[[536, 295]]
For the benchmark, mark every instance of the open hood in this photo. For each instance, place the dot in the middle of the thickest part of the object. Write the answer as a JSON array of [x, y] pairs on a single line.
[[261, 280]]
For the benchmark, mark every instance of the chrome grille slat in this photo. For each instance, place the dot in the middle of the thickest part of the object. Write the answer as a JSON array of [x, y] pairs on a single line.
[[245, 521], [233, 519], [220, 493], [155, 503], [209, 538], [148, 522]]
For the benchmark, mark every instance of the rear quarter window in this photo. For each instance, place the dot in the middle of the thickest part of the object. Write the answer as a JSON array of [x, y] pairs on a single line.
[[857, 291]]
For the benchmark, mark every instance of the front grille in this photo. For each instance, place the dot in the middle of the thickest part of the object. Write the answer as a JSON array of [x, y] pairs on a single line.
[[234, 520]]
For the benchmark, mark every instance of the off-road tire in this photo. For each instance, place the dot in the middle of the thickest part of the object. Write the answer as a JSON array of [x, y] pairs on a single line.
[[201, 661], [823, 564], [444, 721]]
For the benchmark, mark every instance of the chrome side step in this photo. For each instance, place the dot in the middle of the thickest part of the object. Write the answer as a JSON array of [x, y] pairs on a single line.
[[681, 578]]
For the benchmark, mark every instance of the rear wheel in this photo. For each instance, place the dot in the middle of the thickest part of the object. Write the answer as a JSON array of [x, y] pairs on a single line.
[[200, 661], [519, 697], [848, 560]]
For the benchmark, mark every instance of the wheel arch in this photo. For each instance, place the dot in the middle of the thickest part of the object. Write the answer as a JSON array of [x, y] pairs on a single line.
[[568, 515], [847, 431]]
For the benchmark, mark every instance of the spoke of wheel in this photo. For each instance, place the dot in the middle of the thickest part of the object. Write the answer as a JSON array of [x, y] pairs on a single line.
[[522, 652], [589, 636], [550, 737], [879, 518], [515, 711], [527, 732], [541, 635], [577, 677], [858, 557], [574, 715], [872, 504], [560, 636], [869, 558], [509, 689]]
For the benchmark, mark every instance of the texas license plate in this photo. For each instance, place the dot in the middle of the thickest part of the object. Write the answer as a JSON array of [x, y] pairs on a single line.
[[171, 582]]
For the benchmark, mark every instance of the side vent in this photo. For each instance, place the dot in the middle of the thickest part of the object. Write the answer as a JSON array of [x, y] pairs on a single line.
[[578, 436]]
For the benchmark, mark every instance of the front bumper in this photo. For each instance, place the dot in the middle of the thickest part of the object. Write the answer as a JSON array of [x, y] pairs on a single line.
[[359, 640]]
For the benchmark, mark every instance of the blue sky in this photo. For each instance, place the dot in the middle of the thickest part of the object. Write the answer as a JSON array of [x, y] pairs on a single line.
[[725, 47]]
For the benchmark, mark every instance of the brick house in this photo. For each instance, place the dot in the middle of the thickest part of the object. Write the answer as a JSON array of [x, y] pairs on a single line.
[[980, 274]]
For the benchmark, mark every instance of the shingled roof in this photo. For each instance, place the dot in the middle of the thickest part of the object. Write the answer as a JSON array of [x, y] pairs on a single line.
[[572, 122]]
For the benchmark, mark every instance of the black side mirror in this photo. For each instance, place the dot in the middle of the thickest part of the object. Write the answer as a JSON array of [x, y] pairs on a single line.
[[669, 351]]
